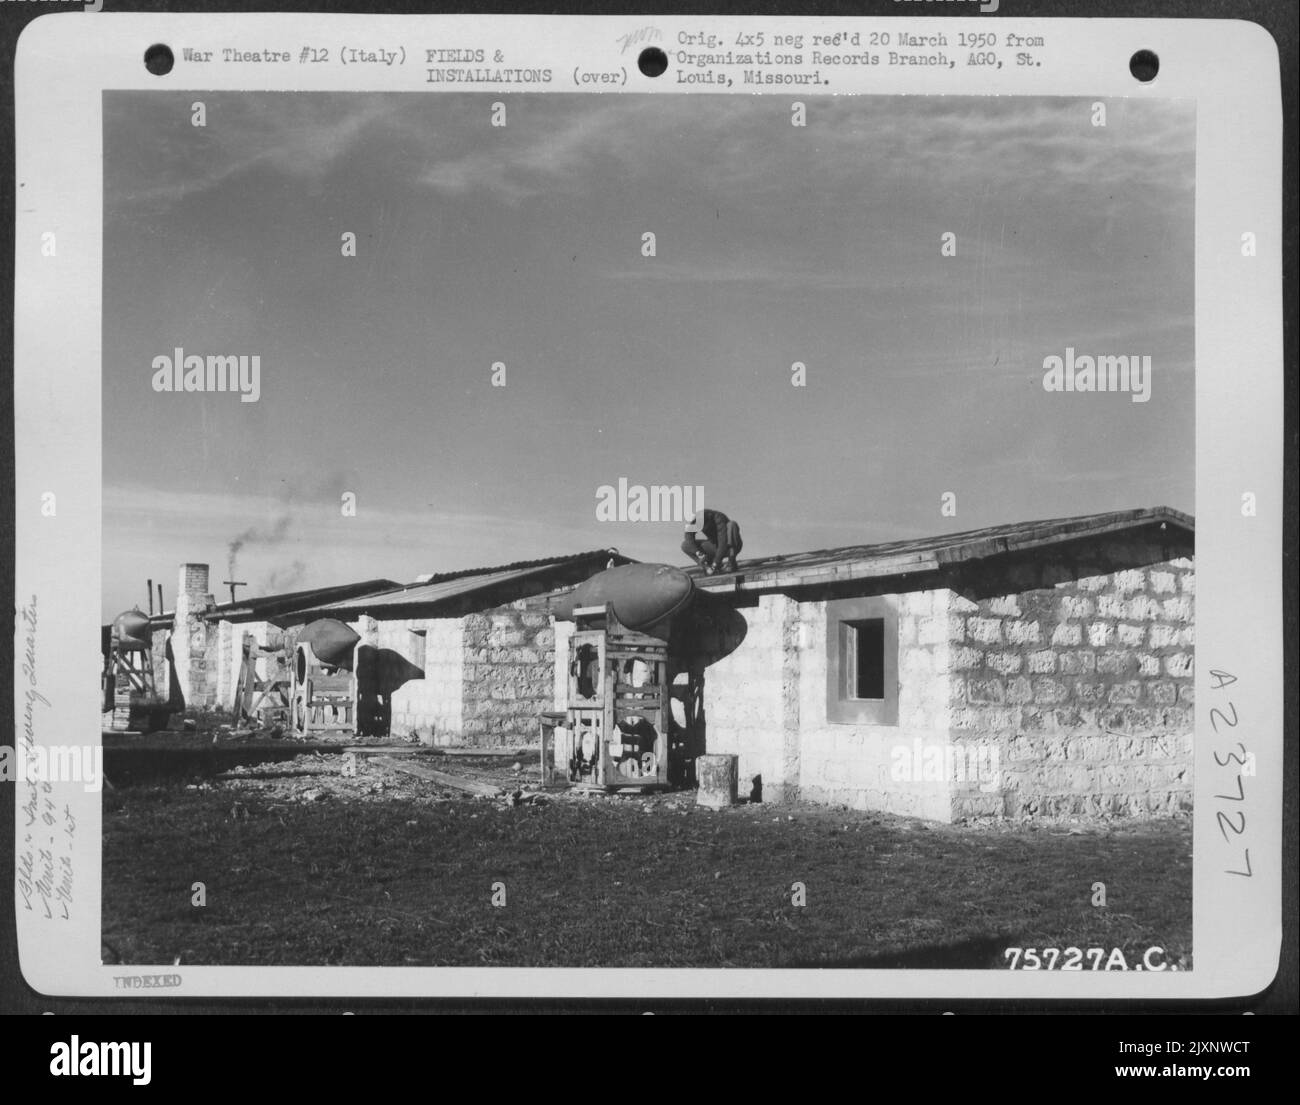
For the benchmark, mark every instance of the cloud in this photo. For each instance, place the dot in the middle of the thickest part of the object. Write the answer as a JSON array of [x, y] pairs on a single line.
[[149, 531], [558, 154], [723, 145], [301, 137]]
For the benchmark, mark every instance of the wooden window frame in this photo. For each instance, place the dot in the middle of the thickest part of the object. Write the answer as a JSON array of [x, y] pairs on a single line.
[[841, 707]]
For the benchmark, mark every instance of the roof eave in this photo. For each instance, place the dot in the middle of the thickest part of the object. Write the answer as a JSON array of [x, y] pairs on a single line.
[[844, 572], [861, 568]]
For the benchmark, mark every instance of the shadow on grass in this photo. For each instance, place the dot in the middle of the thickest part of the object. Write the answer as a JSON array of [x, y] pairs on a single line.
[[981, 954]]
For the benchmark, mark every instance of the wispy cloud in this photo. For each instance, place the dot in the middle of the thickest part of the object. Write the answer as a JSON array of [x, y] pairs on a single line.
[[299, 137], [151, 531], [961, 146], [554, 151]]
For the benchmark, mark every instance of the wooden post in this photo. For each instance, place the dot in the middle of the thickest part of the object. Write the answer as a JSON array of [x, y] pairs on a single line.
[[717, 777]]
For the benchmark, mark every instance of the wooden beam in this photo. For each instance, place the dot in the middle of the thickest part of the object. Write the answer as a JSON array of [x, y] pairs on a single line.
[[441, 778], [828, 573], [503, 753]]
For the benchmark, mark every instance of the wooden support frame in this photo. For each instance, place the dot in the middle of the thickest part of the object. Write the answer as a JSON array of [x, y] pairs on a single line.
[[314, 691], [619, 704], [265, 700], [130, 692]]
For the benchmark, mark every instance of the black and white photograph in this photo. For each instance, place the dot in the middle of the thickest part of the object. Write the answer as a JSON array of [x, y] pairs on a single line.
[[637, 533], [685, 508]]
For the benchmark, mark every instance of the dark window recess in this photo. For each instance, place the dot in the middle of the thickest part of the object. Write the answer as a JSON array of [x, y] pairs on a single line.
[[586, 667], [862, 661], [866, 667]]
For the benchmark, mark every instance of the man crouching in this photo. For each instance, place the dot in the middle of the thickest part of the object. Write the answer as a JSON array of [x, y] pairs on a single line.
[[713, 541]]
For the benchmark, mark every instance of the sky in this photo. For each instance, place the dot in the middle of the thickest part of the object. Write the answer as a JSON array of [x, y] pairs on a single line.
[[523, 245]]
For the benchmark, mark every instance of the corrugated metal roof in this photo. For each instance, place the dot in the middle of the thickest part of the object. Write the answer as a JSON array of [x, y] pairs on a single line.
[[544, 562], [427, 597], [895, 558], [429, 593], [268, 607]]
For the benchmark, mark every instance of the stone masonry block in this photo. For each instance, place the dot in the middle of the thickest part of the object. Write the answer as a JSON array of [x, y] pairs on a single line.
[[1078, 663], [1100, 634], [1162, 583], [1086, 691], [1072, 607], [1004, 663], [1131, 635], [1130, 580], [1022, 632], [1125, 693], [1163, 693], [1139, 719], [1050, 691], [986, 691], [1020, 689], [1042, 662], [1115, 662], [1108, 606], [1162, 636], [1066, 634], [1142, 608]]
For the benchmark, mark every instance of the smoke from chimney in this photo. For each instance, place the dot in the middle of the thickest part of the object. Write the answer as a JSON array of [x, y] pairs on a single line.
[[271, 535]]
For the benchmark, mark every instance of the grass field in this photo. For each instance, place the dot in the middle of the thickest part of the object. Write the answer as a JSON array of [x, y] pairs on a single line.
[[405, 877]]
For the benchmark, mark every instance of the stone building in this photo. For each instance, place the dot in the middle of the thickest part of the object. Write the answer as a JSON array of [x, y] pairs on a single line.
[[1042, 668], [482, 638], [207, 636]]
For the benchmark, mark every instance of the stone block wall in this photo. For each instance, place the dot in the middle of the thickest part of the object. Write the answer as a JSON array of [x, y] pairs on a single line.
[[434, 703], [487, 675], [229, 657], [204, 672], [227, 660], [158, 654], [750, 692], [765, 694], [1083, 685], [1053, 685], [870, 767], [195, 644], [509, 673]]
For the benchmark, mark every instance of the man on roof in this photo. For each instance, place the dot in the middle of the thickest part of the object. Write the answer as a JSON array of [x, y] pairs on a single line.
[[712, 540]]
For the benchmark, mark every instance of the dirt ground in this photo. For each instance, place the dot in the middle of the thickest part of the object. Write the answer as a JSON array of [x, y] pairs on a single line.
[[302, 863]]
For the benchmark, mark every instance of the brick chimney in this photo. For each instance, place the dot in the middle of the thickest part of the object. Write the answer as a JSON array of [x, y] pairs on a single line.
[[190, 635], [193, 582]]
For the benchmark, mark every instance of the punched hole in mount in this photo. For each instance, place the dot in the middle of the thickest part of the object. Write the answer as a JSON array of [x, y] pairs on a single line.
[[652, 61], [158, 59], [1144, 65]]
